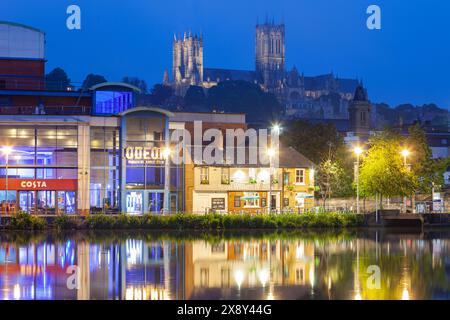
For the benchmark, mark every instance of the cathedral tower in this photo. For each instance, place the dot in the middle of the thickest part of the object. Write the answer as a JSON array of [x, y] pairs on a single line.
[[270, 54], [187, 63]]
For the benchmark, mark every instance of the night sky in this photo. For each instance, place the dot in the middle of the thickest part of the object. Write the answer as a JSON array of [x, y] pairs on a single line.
[[408, 60]]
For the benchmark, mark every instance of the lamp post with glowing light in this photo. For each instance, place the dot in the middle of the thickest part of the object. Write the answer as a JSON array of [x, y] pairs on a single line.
[[166, 152], [270, 153], [276, 128], [358, 152], [6, 151], [405, 154]]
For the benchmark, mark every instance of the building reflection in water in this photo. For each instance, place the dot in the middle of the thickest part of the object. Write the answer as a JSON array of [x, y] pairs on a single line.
[[135, 269]]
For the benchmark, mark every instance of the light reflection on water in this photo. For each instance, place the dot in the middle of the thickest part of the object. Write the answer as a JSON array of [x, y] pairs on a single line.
[[145, 266]]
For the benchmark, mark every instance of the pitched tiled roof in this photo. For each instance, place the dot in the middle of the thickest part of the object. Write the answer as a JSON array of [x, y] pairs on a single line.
[[291, 158]]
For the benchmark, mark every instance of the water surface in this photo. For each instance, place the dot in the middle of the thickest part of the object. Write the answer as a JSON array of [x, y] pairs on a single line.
[[152, 266]]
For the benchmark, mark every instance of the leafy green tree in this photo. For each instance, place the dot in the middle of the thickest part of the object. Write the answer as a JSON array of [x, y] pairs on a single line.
[[383, 171], [57, 80], [92, 80], [323, 145], [428, 170], [315, 141], [139, 83], [160, 94], [329, 175], [243, 96]]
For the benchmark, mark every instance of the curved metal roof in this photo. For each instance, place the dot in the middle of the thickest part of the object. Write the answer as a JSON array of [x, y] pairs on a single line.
[[15, 24], [151, 109], [115, 84]]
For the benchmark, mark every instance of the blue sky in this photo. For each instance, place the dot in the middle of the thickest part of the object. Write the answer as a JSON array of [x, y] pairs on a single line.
[[408, 60]]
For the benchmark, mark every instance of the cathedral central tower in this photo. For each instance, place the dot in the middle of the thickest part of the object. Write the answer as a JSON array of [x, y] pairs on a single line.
[[187, 64], [270, 54]]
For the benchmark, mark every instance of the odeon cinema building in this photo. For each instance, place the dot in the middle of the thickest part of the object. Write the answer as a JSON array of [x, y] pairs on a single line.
[[79, 151]]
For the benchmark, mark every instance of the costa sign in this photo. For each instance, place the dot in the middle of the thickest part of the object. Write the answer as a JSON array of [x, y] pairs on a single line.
[[39, 184], [144, 153], [33, 184]]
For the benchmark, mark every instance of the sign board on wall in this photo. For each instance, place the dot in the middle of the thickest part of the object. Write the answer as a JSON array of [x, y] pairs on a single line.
[[40, 184], [218, 203], [144, 155]]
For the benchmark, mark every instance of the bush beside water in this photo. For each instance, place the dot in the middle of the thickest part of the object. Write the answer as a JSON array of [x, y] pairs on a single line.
[[25, 221]]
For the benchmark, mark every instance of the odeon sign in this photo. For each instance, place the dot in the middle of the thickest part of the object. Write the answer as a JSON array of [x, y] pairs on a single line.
[[143, 154]]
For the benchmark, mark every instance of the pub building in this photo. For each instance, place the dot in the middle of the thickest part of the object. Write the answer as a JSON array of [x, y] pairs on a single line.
[[79, 151]]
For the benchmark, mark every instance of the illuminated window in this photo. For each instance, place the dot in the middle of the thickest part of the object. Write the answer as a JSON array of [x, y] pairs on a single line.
[[225, 175], [300, 176], [286, 178], [112, 102], [251, 199], [204, 175], [237, 201]]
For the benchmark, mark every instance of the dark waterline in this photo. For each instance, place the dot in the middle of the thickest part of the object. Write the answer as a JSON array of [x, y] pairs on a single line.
[[233, 265]]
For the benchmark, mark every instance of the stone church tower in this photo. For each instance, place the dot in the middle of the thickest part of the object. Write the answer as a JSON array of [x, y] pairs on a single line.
[[270, 54], [187, 64], [359, 113]]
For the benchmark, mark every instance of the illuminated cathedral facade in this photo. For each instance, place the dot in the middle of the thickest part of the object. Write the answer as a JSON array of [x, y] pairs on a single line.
[[322, 97]]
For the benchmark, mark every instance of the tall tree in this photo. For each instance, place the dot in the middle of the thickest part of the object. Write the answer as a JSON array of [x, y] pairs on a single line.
[[160, 94], [315, 141], [57, 80], [91, 80], [323, 145], [383, 171], [428, 170], [139, 83], [243, 96]]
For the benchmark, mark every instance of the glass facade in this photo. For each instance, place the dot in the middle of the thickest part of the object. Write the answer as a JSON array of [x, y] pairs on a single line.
[[145, 168], [122, 167], [112, 102], [38, 152], [105, 162]]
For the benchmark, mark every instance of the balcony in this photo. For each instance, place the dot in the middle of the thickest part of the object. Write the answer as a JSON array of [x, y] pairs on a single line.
[[45, 110]]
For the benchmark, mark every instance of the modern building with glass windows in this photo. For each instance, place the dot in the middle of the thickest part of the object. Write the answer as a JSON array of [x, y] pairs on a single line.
[[101, 158]]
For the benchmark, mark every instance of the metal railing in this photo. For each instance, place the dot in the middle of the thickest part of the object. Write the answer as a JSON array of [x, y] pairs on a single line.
[[45, 110]]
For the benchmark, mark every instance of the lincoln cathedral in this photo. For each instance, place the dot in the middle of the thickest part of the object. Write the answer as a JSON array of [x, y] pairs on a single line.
[[322, 97]]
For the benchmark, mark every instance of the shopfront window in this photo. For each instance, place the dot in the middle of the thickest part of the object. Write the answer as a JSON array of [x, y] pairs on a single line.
[[39, 156], [105, 158], [134, 202], [155, 202], [251, 199]]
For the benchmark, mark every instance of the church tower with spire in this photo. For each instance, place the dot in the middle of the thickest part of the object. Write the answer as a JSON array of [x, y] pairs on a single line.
[[359, 113]]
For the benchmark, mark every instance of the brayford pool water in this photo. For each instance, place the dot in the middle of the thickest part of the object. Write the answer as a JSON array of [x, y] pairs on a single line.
[[132, 265]]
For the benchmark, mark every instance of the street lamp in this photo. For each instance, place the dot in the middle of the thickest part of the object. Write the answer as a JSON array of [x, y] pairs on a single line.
[[358, 152], [405, 153], [276, 128], [166, 152], [6, 151], [270, 153]]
